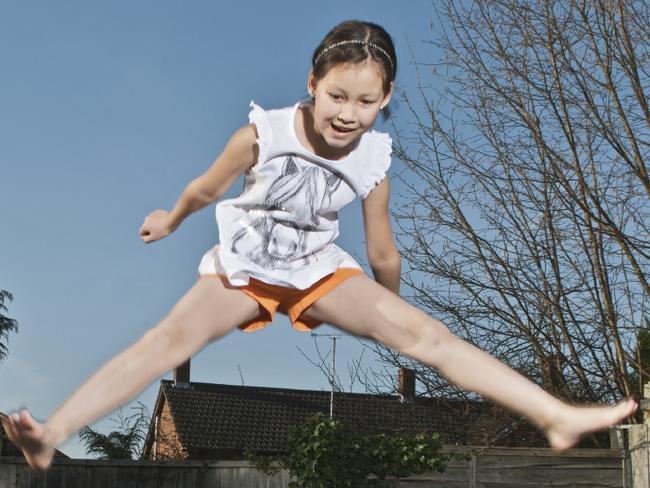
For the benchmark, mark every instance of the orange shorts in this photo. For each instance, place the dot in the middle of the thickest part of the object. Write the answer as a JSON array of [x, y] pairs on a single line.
[[290, 301]]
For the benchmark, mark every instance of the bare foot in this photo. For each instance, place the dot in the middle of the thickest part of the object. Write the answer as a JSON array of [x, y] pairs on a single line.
[[574, 422], [31, 437]]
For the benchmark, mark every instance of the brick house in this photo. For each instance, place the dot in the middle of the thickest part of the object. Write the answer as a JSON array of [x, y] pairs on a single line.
[[194, 420]]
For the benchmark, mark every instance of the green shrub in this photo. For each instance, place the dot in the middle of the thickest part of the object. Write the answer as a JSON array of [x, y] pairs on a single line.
[[323, 453]]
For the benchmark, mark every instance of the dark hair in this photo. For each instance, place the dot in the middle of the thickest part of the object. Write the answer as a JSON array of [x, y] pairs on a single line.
[[372, 42]]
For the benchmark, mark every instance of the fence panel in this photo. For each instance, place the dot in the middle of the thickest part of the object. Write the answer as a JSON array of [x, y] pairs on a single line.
[[532, 468], [469, 468]]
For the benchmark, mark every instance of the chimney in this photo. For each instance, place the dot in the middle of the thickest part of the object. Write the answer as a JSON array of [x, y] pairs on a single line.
[[182, 373], [406, 386]]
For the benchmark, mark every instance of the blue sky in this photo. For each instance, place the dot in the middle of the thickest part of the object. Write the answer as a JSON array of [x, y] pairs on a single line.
[[107, 110]]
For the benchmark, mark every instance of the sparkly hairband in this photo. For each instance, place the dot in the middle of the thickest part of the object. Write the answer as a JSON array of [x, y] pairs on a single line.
[[356, 41]]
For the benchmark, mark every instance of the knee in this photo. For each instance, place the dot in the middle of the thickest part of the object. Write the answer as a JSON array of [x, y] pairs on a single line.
[[166, 339], [402, 326], [435, 333], [426, 334]]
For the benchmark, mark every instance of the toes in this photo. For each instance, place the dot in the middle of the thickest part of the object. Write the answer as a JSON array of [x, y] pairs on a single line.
[[635, 405], [10, 429], [26, 421], [20, 427], [627, 408]]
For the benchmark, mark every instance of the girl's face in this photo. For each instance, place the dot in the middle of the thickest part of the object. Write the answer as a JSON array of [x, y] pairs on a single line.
[[347, 101]]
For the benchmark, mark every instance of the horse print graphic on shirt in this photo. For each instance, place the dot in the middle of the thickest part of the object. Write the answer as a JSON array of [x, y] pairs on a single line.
[[281, 225]]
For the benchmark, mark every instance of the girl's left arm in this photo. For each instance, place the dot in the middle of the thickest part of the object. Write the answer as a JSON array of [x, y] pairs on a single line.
[[383, 256]]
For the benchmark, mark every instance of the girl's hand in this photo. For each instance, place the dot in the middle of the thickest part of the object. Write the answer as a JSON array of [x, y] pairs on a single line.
[[156, 226]]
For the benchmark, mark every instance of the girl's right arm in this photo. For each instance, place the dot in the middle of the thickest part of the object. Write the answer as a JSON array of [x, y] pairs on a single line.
[[238, 156]]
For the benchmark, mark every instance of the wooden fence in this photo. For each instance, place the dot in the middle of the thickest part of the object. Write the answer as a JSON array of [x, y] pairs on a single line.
[[76, 473], [477, 467], [529, 468]]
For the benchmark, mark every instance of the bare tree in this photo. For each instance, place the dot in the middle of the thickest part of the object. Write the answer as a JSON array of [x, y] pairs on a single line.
[[356, 373], [526, 218], [7, 324]]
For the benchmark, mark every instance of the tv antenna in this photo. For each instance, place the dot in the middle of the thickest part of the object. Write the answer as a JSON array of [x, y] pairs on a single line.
[[332, 378]]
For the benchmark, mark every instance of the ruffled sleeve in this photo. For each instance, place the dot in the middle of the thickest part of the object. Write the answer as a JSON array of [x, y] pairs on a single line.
[[259, 117], [380, 156]]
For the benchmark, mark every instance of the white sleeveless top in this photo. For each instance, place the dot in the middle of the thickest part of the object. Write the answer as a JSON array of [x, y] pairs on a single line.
[[281, 229]]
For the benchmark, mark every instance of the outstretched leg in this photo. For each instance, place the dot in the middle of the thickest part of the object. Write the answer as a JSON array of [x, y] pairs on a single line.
[[364, 308], [207, 312]]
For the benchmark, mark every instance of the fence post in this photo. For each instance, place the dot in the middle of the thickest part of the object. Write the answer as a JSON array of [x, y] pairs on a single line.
[[472, 470], [639, 442]]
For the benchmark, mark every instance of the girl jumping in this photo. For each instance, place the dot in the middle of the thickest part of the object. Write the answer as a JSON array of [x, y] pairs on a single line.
[[276, 251]]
